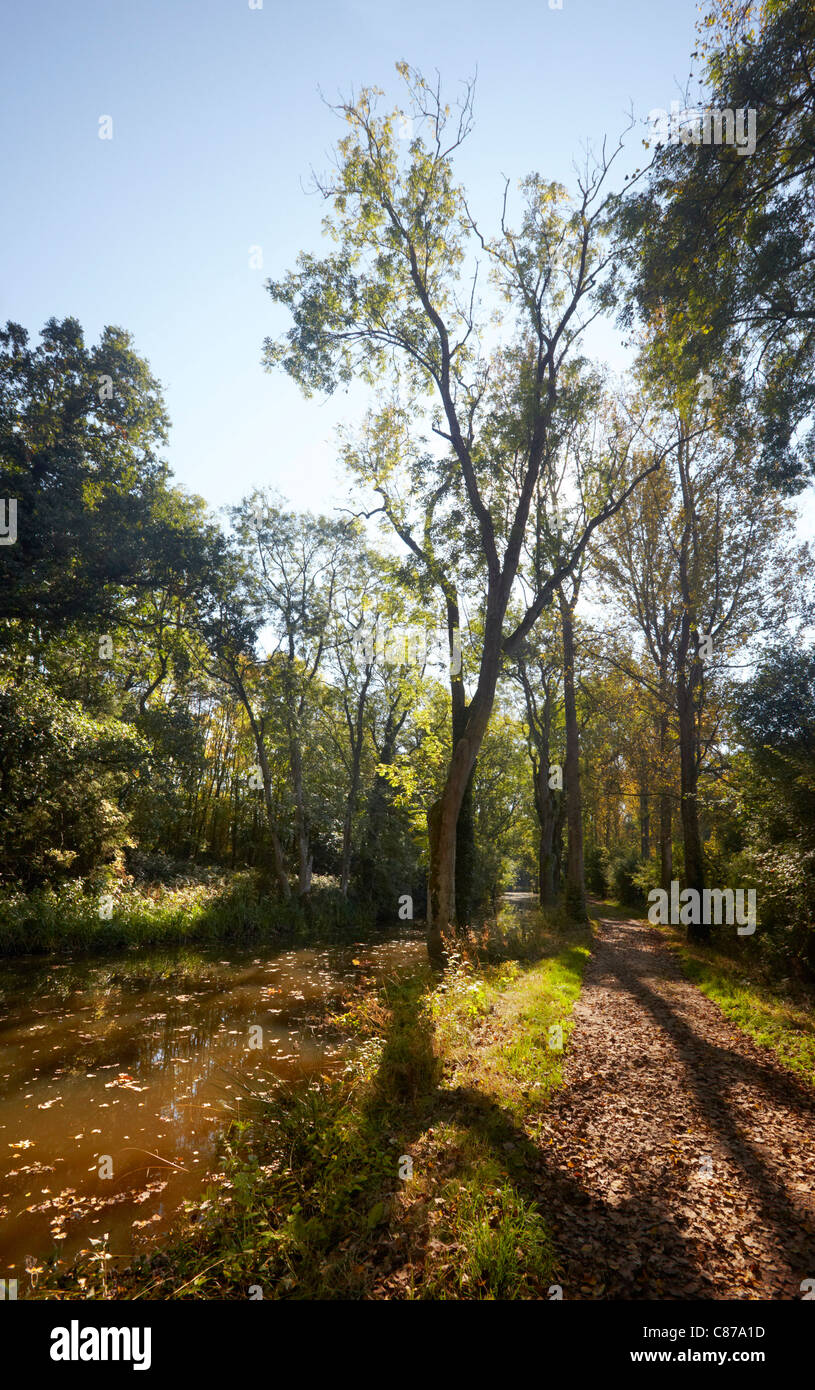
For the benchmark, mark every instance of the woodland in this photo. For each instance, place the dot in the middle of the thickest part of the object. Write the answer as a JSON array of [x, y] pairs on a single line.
[[555, 654]]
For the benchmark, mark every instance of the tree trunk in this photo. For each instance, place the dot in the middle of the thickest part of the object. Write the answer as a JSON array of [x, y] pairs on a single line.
[[465, 860], [665, 841], [355, 734], [575, 897], [465, 825], [689, 807], [345, 868], [266, 777], [277, 849], [665, 807], [645, 825], [348, 820], [233, 821], [557, 842], [443, 815], [545, 801], [301, 834], [687, 683]]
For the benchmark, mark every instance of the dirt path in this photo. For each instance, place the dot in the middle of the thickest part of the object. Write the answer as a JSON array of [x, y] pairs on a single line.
[[679, 1157]]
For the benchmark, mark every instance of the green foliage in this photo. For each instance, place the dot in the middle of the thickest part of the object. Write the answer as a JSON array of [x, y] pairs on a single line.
[[720, 242], [177, 754], [775, 812], [646, 877], [509, 1252], [95, 515], [504, 814], [597, 870], [624, 871], [64, 778]]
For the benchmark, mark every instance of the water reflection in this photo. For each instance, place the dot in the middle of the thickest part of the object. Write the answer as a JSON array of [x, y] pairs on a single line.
[[129, 1066]]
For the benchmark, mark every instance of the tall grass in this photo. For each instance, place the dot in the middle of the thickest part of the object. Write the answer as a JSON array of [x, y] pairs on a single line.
[[72, 917]]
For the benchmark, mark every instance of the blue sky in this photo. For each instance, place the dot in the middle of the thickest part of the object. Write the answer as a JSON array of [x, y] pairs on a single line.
[[217, 121]]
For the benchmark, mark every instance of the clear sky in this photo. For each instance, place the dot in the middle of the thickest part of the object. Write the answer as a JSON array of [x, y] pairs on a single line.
[[217, 121]]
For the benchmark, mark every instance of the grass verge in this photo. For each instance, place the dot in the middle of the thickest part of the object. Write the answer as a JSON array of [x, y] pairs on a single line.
[[766, 1009]]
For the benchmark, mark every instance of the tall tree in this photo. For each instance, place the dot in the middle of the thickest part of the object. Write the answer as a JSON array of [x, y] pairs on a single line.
[[393, 300], [699, 562], [422, 504], [81, 430], [294, 570], [539, 675], [720, 241]]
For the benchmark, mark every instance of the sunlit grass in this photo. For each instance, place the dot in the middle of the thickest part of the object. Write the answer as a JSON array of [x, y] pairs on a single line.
[[760, 1008], [68, 918]]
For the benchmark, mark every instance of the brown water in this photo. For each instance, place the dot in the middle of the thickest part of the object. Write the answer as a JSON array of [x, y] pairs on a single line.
[[135, 1064]]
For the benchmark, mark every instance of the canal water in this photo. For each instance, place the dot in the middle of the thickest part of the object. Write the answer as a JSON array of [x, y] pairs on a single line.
[[118, 1074]]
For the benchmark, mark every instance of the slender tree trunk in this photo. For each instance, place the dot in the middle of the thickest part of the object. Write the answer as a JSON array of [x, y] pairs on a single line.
[[356, 738], [557, 842], [345, 866], [278, 861], [546, 798], [689, 806], [645, 824], [277, 849], [575, 898], [465, 825], [665, 811], [545, 804], [687, 680], [687, 684], [301, 832], [347, 825], [665, 841], [234, 817]]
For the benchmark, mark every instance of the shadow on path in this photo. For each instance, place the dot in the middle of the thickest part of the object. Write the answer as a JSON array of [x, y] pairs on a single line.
[[694, 1149]]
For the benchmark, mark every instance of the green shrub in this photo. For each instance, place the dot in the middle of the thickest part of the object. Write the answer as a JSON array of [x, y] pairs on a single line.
[[596, 869], [623, 871], [65, 777]]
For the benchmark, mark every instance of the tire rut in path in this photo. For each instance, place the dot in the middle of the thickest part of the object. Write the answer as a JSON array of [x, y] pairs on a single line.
[[678, 1155]]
